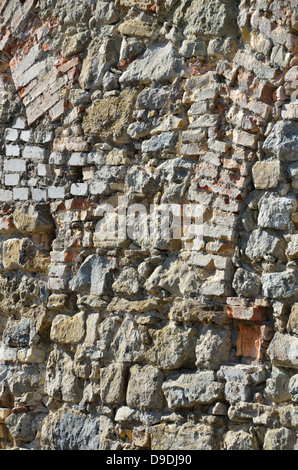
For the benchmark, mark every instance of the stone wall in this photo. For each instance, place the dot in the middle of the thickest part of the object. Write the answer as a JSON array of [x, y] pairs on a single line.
[[139, 342]]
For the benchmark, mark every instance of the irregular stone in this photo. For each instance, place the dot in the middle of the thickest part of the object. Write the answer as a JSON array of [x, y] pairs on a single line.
[[282, 142], [279, 439], [266, 174], [127, 282], [61, 382], [93, 276], [288, 416], [283, 351], [21, 253], [241, 440], [173, 347], [112, 384], [275, 211], [277, 386], [173, 276], [101, 56], [128, 344], [278, 285], [262, 243], [216, 18], [68, 329], [21, 334], [292, 325], [109, 117], [292, 249], [24, 379], [30, 218], [21, 426], [140, 28], [144, 388], [246, 283], [255, 412], [192, 310], [165, 142], [293, 388], [189, 389], [187, 436], [213, 347], [71, 430], [159, 63]]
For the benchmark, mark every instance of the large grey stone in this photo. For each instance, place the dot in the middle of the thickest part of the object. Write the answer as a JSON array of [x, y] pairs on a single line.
[[246, 283], [279, 439], [93, 276], [262, 243], [275, 210], [283, 141], [144, 388], [19, 334], [68, 430], [213, 347], [160, 143], [160, 63], [293, 387], [277, 386], [277, 285], [189, 389], [212, 18], [173, 347], [283, 350]]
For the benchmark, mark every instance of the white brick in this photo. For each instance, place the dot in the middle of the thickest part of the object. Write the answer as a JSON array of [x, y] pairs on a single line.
[[43, 169], [98, 187], [57, 158], [13, 150], [79, 189], [56, 192], [19, 123], [77, 159], [34, 153], [96, 158], [39, 194], [26, 136], [55, 283], [21, 194], [15, 164], [11, 179], [5, 195], [11, 135]]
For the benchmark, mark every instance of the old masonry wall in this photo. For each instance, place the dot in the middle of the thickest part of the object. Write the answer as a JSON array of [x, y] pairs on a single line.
[[138, 342]]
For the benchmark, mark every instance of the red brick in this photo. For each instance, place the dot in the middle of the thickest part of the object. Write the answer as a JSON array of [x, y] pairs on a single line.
[[247, 313], [66, 64]]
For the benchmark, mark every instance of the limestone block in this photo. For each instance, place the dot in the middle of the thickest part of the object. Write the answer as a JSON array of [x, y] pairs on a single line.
[[283, 350], [160, 62], [28, 218], [213, 347], [266, 174], [112, 384], [93, 276], [277, 285], [144, 388], [279, 439], [68, 330], [282, 141], [188, 389], [275, 210], [262, 243], [173, 347], [187, 436]]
